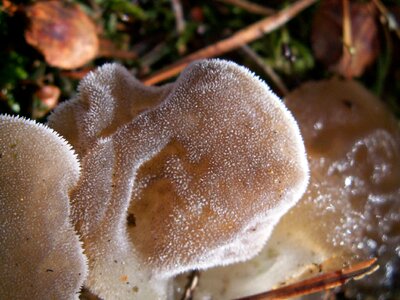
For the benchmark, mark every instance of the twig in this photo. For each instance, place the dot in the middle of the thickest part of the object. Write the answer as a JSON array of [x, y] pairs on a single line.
[[191, 285], [320, 282], [267, 69], [242, 37], [153, 55], [178, 12], [251, 7], [347, 34], [77, 74], [389, 18]]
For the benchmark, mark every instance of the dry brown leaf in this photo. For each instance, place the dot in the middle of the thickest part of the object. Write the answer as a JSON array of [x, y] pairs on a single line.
[[65, 35], [327, 37]]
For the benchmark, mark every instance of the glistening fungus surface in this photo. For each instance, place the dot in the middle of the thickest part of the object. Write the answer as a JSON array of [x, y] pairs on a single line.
[[353, 145], [351, 208]]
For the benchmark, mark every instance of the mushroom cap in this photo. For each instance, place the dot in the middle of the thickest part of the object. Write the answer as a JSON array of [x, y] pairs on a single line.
[[232, 165], [197, 179], [353, 146], [40, 254], [350, 209], [107, 99]]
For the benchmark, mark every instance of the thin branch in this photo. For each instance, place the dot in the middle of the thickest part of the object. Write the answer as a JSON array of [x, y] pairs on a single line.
[[191, 285], [267, 69], [388, 17], [153, 55], [242, 37], [347, 28], [319, 283], [178, 12], [77, 74], [251, 7]]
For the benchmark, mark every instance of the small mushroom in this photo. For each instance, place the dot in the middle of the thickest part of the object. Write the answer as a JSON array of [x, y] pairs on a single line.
[[40, 253], [350, 210], [189, 175]]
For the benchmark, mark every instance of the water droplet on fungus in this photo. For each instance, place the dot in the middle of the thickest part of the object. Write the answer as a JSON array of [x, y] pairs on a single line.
[[350, 210]]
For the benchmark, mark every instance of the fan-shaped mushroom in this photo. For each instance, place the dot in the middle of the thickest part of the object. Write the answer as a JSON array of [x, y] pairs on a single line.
[[199, 178], [40, 254], [351, 208]]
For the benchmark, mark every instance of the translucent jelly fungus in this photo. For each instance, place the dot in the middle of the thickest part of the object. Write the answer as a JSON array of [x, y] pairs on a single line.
[[351, 209], [192, 174], [353, 145], [40, 254]]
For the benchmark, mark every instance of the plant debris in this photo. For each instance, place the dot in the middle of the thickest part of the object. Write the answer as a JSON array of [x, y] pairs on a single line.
[[62, 32]]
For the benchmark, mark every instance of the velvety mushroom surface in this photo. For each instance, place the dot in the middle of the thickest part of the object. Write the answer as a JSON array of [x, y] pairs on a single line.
[[40, 254], [189, 175], [351, 209], [106, 101]]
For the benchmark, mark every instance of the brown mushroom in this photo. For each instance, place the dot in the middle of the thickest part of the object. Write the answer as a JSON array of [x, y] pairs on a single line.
[[353, 146], [199, 178], [350, 210]]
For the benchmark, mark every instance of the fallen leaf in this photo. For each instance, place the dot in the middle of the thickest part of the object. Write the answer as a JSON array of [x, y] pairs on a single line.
[[327, 37], [65, 35]]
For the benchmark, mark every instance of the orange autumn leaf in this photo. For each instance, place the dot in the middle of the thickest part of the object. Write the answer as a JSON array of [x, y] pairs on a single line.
[[65, 35]]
